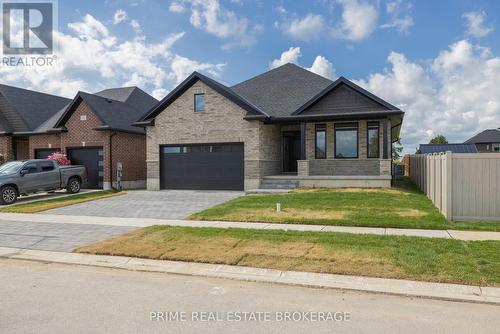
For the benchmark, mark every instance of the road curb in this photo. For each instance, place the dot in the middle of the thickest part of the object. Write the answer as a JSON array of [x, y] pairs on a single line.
[[440, 291]]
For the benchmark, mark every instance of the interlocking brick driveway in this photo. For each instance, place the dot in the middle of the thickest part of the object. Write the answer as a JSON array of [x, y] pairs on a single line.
[[166, 204], [54, 237]]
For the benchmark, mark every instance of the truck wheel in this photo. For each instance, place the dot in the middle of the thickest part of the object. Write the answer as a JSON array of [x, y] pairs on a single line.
[[8, 195], [74, 185]]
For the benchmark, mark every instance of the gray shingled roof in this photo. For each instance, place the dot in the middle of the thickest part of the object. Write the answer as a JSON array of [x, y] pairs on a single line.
[[188, 82], [283, 90], [115, 114], [283, 93], [25, 110], [119, 94], [440, 148], [487, 136]]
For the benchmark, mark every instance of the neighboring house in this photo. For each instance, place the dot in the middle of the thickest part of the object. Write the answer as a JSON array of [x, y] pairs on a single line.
[[486, 141], [95, 131], [441, 148], [22, 112], [286, 125]]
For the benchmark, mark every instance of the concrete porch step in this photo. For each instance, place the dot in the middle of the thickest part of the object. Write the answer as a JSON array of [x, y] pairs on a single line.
[[267, 191], [270, 183]]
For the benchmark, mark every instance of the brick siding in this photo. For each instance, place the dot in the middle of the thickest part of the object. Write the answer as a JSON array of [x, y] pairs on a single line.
[[130, 149], [5, 148]]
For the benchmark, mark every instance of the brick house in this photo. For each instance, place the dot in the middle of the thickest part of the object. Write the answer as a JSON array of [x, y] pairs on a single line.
[[284, 128], [94, 130], [22, 112]]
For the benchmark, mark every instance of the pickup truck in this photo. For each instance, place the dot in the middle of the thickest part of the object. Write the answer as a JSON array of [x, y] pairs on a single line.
[[19, 178]]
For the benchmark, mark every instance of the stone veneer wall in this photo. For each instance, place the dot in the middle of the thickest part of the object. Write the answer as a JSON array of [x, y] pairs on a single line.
[[221, 122], [336, 167], [330, 134]]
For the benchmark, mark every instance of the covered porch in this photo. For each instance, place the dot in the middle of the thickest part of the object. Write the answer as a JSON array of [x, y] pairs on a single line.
[[353, 152]]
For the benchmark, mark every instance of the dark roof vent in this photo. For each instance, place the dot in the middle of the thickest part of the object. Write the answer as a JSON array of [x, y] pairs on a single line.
[[109, 101]]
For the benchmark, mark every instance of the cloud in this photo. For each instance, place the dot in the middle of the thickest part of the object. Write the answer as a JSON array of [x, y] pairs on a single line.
[[213, 18], [305, 29], [456, 95], [89, 28], [358, 21], [400, 19], [292, 55], [90, 58], [120, 16], [176, 7], [182, 67], [323, 67], [476, 25], [320, 66], [400, 24], [136, 26]]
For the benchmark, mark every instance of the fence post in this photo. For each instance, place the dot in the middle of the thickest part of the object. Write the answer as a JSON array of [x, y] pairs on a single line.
[[448, 191]]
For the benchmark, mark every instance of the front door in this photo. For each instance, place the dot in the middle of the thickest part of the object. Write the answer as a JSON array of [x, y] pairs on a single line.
[[291, 151]]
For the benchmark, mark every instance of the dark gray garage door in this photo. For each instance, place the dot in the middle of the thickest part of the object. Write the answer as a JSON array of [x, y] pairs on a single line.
[[204, 167], [43, 153], [92, 159]]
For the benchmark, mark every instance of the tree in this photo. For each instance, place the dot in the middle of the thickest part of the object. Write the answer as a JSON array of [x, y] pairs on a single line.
[[60, 158], [397, 150], [439, 139]]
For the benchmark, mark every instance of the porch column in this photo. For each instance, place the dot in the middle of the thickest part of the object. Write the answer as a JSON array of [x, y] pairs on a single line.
[[384, 140], [303, 141]]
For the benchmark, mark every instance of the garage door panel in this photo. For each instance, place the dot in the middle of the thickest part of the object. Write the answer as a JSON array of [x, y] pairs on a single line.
[[92, 159], [214, 167], [43, 153]]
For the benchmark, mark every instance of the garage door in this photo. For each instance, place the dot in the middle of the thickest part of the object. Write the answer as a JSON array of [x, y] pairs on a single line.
[[43, 153], [204, 167], [92, 159]]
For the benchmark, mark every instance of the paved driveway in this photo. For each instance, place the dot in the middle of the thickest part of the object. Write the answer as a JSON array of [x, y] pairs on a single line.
[[166, 204], [54, 237]]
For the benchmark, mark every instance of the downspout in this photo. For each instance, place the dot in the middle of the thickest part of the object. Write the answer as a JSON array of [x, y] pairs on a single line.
[[111, 159]]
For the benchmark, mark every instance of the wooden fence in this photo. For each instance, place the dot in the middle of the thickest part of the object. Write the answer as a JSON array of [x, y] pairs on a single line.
[[463, 186]]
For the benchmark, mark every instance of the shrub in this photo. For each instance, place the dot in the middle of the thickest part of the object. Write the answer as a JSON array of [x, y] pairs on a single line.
[[60, 158]]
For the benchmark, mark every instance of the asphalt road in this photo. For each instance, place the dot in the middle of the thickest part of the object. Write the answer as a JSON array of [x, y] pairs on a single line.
[[53, 298]]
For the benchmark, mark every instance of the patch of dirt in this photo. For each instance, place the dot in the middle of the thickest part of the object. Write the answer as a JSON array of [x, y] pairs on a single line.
[[293, 213], [411, 213], [371, 190]]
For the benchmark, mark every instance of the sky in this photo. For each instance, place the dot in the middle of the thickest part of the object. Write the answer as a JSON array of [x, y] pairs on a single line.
[[439, 61]]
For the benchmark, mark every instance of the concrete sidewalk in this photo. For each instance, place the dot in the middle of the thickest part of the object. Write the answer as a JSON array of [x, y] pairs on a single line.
[[143, 222], [452, 292]]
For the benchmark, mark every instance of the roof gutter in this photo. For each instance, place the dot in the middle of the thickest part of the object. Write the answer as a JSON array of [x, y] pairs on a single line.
[[34, 133], [109, 128], [143, 123], [314, 118]]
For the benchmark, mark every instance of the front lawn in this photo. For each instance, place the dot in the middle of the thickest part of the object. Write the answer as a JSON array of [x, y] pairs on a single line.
[[425, 259], [403, 206], [54, 203]]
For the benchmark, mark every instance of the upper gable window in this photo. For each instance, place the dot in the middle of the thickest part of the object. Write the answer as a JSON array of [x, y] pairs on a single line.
[[199, 102]]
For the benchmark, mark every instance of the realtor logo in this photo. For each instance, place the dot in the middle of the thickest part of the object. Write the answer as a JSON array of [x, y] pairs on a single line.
[[27, 27]]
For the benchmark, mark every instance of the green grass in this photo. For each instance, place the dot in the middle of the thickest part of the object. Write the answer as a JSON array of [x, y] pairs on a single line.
[[53, 203], [425, 259], [402, 206]]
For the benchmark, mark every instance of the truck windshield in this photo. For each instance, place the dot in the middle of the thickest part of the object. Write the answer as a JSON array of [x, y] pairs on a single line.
[[10, 167]]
